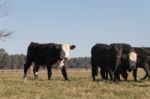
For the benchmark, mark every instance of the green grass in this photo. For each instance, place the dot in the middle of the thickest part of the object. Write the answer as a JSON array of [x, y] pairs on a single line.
[[80, 86]]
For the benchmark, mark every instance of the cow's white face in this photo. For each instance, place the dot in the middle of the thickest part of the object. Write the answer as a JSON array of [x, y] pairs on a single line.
[[65, 51], [132, 59], [64, 54]]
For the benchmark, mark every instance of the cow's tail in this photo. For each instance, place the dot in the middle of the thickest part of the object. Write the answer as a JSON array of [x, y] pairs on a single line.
[[29, 52], [28, 57], [28, 61]]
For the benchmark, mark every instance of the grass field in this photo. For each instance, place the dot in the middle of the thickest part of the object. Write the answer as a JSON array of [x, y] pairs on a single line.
[[80, 86]]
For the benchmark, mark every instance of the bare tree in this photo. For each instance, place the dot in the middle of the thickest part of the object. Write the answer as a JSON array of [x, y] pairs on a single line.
[[4, 12], [3, 8], [5, 33]]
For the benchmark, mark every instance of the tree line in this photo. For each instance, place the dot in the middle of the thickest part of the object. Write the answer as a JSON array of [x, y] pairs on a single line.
[[17, 61]]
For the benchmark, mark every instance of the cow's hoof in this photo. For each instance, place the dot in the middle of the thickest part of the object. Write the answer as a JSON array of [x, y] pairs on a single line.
[[66, 79], [25, 78]]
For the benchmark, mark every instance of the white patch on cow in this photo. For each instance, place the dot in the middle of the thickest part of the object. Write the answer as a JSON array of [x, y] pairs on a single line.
[[59, 63], [36, 73], [25, 78], [65, 49], [133, 56], [62, 63]]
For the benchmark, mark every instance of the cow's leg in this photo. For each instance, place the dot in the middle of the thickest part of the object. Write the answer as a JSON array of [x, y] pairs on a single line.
[[94, 68], [106, 75], [116, 76], [94, 71], [64, 73], [35, 70], [49, 72], [111, 74], [124, 74], [135, 74], [144, 77], [103, 74], [26, 67], [146, 68]]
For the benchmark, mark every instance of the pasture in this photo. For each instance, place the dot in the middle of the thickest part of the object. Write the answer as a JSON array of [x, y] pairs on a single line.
[[80, 86]]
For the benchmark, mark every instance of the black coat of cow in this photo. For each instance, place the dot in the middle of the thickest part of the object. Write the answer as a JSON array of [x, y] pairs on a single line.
[[100, 54], [44, 54], [108, 58]]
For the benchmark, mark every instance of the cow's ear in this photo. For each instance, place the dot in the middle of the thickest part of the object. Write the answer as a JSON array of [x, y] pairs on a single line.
[[72, 46]]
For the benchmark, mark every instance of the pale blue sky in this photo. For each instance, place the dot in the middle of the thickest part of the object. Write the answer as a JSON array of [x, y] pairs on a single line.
[[79, 22]]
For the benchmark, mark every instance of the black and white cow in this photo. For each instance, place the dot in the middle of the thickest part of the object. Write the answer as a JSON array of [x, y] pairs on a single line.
[[143, 61], [127, 60], [126, 65], [108, 58], [47, 55]]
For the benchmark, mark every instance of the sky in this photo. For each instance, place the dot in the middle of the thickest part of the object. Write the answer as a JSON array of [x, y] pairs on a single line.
[[80, 22]]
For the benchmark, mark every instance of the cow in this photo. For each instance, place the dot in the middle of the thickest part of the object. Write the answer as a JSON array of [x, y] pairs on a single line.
[[108, 58], [126, 60], [125, 65], [100, 58], [143, 61], [47, 55]]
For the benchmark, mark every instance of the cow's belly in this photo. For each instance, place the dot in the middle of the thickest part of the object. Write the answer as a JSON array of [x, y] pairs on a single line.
[[58, 63], [40, 61]]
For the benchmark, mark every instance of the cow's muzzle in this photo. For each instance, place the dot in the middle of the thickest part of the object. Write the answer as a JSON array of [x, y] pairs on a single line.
[[132, 65]]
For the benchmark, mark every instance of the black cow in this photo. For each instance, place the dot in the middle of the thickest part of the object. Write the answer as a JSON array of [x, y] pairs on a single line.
[[47, 55], [108, 58], [100, 58]]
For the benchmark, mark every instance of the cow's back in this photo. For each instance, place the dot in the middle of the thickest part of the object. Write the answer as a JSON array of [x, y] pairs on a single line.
[[43, 54], [99, 53]]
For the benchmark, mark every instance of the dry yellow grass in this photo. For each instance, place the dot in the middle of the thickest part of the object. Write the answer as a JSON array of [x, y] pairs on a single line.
[[80, 86]]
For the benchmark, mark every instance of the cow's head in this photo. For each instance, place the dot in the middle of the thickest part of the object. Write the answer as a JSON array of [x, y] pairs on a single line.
[[64, 54], [65, 51], [132, 57]]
